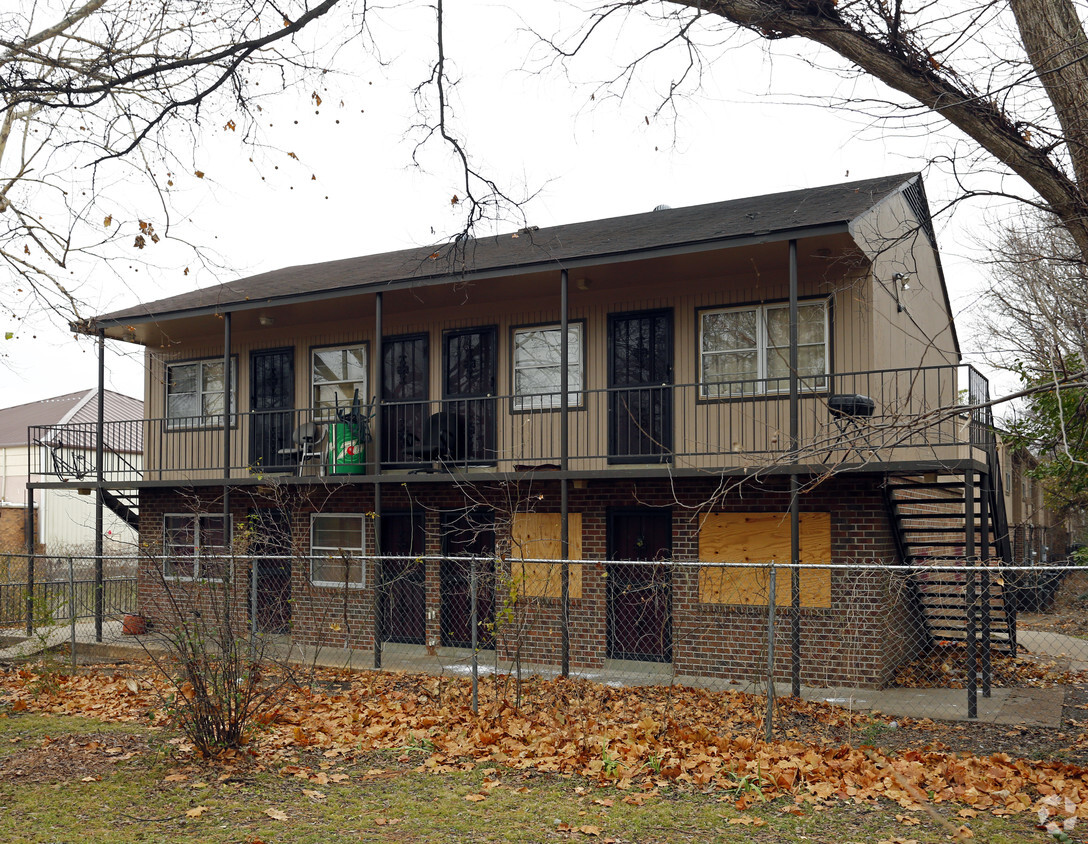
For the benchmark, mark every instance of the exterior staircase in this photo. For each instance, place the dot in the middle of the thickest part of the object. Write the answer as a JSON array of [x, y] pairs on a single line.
[[930, 515], [125, 504]]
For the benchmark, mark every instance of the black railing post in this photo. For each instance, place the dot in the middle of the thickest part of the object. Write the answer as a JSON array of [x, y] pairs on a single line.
[[795, 486], [376, 441], [564, 465], [969, 554], [984, 554], [28, 526], [98, 491]]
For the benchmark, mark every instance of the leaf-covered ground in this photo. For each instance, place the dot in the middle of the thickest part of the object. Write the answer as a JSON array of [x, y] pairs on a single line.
[[642, 745]]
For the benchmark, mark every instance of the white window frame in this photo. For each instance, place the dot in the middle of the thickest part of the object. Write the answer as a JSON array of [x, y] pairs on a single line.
[[202, 419], [761, 382], [198, 555], [364, 385], [323, 553], [575, 369]]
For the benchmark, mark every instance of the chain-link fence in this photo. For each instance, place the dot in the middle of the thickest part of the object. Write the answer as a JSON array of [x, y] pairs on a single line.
[[996, 644]]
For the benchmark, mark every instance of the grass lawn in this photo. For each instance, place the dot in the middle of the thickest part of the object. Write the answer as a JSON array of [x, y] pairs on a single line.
[[73, 780]]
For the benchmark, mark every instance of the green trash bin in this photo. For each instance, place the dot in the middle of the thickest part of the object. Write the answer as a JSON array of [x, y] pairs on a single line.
[[347, 450]]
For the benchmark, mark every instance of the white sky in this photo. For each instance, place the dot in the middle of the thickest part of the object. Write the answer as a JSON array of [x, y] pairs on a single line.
[[584, 159]]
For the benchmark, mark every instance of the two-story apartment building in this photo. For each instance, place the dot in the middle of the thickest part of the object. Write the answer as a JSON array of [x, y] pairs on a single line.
[[615, 394]]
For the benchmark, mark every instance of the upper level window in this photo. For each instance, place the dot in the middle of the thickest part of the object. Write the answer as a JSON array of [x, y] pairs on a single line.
[[336, 549], [336, 373], [194, 393], [195, 547], [747, 350], [538, 358]]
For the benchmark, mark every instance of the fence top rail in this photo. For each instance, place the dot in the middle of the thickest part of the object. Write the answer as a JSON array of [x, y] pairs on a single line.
[[976, 563]]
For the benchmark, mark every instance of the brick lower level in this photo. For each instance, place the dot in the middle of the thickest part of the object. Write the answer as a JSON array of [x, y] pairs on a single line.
[[868, 629]]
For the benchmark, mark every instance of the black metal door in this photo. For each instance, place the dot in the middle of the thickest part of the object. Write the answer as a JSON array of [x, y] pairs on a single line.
[[469, 387], [639, 600], [404, 590], [404, 396], [272, 553], [640, 381], [272, 402], [467, 535]]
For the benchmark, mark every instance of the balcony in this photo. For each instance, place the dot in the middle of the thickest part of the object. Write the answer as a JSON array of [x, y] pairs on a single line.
[[877, 419]]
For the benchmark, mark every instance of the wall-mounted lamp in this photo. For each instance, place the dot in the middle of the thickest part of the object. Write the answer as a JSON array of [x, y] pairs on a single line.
[[582, 283], [265, 321], [900, 281]]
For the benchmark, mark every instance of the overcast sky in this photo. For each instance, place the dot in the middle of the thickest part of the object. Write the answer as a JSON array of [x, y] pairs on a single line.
[[351, 189]]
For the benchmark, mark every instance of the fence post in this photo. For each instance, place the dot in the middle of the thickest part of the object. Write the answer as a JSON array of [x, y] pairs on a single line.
[[769, 727], [969, 597], [29, 524], [72, 606], [472, 635], [253, 575]]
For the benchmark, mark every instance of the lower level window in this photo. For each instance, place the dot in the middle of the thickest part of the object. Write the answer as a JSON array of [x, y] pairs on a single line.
[[195, 547], [336, 550]]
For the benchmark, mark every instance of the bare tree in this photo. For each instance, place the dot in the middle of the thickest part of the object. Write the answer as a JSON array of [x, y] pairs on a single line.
[[97, 102]]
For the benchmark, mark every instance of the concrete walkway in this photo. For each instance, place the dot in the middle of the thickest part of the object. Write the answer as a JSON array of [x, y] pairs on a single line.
[[1027, 707]]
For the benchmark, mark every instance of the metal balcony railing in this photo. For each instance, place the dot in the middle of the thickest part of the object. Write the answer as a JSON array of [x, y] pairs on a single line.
[[873, 417]]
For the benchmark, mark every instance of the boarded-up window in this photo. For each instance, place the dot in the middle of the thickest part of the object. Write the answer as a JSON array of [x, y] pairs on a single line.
[[538, 536], [760, 538]]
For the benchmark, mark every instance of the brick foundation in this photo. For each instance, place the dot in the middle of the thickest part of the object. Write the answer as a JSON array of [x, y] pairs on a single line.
[[868, 630]]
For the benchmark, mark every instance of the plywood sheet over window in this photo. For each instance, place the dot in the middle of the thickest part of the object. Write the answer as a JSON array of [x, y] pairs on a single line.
[[538, 536], [760, 538]]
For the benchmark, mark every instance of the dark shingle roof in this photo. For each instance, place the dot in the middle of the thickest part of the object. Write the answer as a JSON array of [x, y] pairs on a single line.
[[616, 236]]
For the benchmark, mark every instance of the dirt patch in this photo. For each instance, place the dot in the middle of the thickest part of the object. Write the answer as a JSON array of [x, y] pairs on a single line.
[[72, 757]]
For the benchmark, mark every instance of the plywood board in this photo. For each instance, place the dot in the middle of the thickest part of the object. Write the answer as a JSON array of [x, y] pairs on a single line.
[[760, 538], [538, 536]]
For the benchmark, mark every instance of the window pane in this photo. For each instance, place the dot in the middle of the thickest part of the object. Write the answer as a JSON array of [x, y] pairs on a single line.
[[334, 365], [213, 405], [729, 330], [731, 366], [212, 381], [810, 325], [182, 404], [338, 532], [182, 379], [212, 535]]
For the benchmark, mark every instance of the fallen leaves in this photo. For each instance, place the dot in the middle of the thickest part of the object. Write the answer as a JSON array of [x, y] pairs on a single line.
[[196, 812], [276, 814], [637, 741]]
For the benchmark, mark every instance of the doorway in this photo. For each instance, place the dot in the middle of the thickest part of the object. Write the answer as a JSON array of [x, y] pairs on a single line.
[[639, 593], [466, 536], [272, 402], [468, 385], [404, 586], [272, 550], [640, 387]]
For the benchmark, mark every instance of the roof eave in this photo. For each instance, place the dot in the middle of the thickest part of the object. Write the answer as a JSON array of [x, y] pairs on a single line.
[[93, 325]]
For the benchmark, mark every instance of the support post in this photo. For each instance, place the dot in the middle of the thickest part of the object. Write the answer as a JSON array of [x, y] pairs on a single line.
[[795, 487], [473, 636], [564, 466], [28, 526], [969, 553], [99, 454], [984, 606], [376, 443], [769, 718], [72, 609], [228, 409]]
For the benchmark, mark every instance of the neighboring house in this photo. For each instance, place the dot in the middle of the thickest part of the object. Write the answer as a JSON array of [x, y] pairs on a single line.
[[674, 442], [62, 464], [1037, 534]]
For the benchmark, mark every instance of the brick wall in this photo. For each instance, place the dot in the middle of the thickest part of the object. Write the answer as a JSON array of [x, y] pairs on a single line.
[[860, 639]]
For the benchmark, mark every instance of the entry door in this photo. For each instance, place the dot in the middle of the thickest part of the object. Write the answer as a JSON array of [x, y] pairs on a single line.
[[404, 397], [640, 381], [468, 534], [272, 554], [469, 359], [272, 400], [639, 614], [404, 598]]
